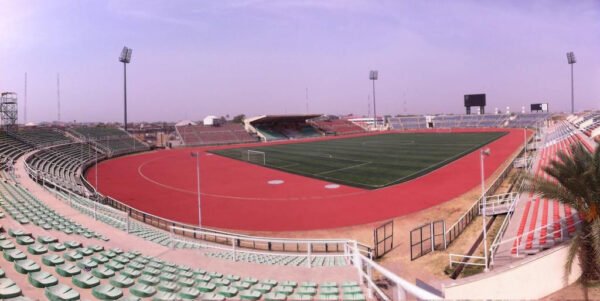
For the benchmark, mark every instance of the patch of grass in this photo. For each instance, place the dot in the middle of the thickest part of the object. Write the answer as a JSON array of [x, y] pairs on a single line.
[[367, 162]]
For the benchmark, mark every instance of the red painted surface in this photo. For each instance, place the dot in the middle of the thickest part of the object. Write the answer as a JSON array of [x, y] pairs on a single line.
[[235, 194]]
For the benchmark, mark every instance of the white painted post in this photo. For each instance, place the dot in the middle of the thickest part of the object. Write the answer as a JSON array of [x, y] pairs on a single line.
[[357, 261], [431, 237], [444, 231], [308, 256], [233, 248]]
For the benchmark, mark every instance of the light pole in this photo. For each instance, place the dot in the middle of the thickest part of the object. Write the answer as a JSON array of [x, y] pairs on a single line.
[[125, 58], [373, 76], [197, 156], [572, 60], [484, 153]]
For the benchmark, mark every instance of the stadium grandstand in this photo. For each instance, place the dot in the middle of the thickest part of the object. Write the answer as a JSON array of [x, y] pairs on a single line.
[[337, 126], [282, 127], [113, 141], [228, 133]]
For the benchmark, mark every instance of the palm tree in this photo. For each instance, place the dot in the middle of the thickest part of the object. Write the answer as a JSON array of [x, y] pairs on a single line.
[[575, 181]]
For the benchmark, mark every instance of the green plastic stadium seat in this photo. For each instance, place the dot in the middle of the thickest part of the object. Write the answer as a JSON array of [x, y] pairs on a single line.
[[26, 266], [129, 272], [167, 286], [103, 272], [305, 290], [142, 290], [14, 255], [149, 280], [96, 248], [240, 285], [270, 282], [189, 293], [72, 244], [72, 256], [164, 296], [328, 291], [99, 259], [9, 289], [130, 298], [297, 297], [37, 249], [350, 283], [284, 290], [122, 281], [42, 279], [57, 247], [354, 297], [108, 254], [262, 288], [275, 297], [25, 240], [115, 266], [168, 269], [61, 292], [135, 265], [221, 282], [186, 282], [187, 274], [18, 232], [348, 290], [86, 280], [52, 260], [151, 271], [87, 264], [85, 251], [206, 287], [289, 283], [6, 245], [121, 259], [250, 295], [329, 284], [228, 292], [202, 278], [212, 297], [68, 270], [216, 275], [107, 292], [308, 284], [167, 276], [117, 251]]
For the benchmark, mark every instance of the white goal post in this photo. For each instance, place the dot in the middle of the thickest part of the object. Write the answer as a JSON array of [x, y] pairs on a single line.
[[256, 157]]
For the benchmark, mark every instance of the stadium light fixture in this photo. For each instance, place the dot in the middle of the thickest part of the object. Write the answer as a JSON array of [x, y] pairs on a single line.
[[572, 60], [197, 156], [125, 58], [484, 153], [373, 76]]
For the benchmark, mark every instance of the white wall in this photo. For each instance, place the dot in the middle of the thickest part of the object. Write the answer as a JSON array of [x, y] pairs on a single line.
[[530, 278]]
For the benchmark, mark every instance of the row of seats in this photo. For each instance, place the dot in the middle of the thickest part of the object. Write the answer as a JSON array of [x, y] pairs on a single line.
[[339, 127], [10, 149], [285, 260], [40, 137], [113, 140], [469, 121], [407, 123], [545, 222], [25, 208], [67, 270], [61, 164], [213, 135]]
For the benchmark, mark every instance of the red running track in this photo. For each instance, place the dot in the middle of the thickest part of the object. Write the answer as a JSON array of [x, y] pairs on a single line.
[[236, 195]]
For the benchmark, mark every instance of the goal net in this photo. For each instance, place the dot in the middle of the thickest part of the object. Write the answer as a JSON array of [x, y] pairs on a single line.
[[256, 157]]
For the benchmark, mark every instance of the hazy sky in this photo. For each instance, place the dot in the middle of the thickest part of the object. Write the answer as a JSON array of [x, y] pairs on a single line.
[[194, 58]]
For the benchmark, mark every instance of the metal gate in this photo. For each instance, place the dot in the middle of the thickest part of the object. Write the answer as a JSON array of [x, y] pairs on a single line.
[[427, 238], [384, 239]]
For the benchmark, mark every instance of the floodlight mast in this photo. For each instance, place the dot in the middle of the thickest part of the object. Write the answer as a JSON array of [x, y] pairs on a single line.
[[125, 58], [572, 60], [373, 76]]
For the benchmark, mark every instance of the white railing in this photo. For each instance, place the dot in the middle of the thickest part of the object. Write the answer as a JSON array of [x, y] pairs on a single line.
[[500, 202], [460, 259], [516, 241]]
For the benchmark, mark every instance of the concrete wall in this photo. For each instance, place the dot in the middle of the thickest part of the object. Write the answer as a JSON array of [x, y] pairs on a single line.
[[531, 278]]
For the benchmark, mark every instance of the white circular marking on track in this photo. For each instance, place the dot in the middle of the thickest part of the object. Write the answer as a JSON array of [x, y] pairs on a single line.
[[275, 182], [332, 186]]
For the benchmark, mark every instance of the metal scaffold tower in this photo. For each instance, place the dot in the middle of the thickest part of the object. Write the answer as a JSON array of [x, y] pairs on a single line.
[[9, 111]]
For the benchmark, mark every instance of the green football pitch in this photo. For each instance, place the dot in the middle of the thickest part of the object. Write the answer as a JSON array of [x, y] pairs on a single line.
[[369, 161]]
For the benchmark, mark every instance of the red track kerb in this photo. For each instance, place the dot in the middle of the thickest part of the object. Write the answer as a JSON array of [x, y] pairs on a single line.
[[236, 195]]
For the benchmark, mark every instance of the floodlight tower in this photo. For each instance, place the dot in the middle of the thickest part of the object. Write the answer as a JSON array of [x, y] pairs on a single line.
[[373, 76], [572, 60], [9, 111], [125, 58]]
